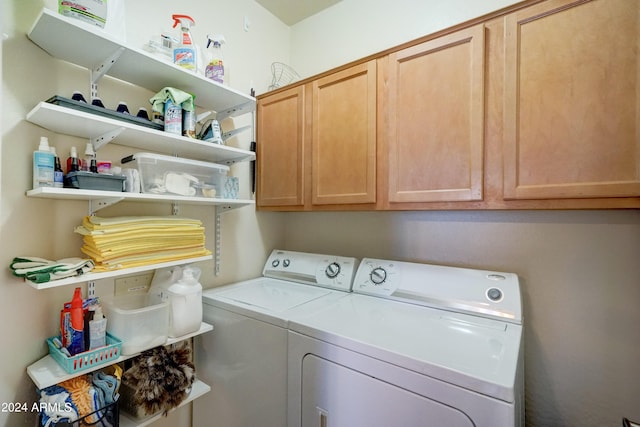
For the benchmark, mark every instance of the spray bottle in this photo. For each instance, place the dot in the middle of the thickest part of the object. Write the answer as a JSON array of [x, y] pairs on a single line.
[[184, 54], [77, 324], [214, 67]]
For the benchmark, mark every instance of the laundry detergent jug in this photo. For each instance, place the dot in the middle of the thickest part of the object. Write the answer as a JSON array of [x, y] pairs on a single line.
[[185, 298]]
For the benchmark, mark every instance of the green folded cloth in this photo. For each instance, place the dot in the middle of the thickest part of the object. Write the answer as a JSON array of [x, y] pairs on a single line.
[[178, 97], [40, 270]]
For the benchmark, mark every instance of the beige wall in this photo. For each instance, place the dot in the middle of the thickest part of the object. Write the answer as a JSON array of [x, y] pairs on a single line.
[[44, 228], [353, 29]]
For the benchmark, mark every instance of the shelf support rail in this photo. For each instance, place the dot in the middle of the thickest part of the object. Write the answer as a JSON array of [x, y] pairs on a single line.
[[101, 69], [218, 239]]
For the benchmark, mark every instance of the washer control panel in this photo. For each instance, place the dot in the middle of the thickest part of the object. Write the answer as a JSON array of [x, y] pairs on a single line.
[[329, 271], [479, 292]]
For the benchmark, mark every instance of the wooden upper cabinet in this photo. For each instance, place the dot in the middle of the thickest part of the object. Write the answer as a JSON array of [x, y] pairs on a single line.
[[343, 159], [280, 148], [571, 104], [435, 110]]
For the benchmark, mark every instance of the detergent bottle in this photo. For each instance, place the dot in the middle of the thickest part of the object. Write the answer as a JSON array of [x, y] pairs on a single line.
[[185, 297], [184, 54], [214, 67]]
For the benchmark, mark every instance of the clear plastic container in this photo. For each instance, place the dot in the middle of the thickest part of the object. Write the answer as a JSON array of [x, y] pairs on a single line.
[[139, 323], [161, 174]]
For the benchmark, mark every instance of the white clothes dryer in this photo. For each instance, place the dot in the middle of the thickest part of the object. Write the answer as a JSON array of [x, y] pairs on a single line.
[[245, 357], [414, 345]]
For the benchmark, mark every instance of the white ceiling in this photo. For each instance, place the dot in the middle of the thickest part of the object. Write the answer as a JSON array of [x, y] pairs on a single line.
[[292, 11]]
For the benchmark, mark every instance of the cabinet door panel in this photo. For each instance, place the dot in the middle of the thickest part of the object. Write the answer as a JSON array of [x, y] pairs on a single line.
[[571, 100], [280, 149], [436, 119], [344, 137]]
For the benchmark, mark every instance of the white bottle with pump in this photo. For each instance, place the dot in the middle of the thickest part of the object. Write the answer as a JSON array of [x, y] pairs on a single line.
[[43, 165]]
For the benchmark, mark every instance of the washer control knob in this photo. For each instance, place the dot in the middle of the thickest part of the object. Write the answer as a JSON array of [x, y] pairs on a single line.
[[494, 294], [332, 270], [275, 263], [286, 263], [378, 275]]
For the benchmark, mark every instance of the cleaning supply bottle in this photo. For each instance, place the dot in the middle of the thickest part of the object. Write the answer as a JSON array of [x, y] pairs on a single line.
[[185, 297], [184, 54], [214, 68], [77, 324], [57, 170], [97, 329], [43, 165], [73, 164], [89, 156]]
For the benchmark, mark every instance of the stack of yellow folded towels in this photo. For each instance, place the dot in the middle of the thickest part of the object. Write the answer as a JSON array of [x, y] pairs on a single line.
[[133, 241]]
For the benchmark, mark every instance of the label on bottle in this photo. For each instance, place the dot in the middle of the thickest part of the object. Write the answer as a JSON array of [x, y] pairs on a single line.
[[189, 124], [43, 168], [215, 70], [172, 117], [58, 179], [184, 57], [93, 12]]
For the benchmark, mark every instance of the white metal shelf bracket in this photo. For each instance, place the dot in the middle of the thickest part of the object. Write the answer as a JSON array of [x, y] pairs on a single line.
[[102, 140], [101, 69], [97, 204], [237, 110]]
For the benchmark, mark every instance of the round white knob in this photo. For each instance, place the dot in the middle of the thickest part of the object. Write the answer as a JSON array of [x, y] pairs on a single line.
[[378, 275]]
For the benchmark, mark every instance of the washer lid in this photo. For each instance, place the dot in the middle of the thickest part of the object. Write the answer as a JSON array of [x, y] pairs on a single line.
[[266, 293], [473, 352]]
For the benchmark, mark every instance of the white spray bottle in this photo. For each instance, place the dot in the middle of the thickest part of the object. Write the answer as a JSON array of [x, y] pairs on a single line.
[[214, 67], [184, 54]]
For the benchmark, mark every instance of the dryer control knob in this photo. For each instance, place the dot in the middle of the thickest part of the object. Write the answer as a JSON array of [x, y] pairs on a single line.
[[332, 270], [275, 263], [378, 275], [286, 263], [494, 294]]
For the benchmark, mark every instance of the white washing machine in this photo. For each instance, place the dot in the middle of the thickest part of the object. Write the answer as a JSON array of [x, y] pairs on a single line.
[[412, 345], [244, 358]]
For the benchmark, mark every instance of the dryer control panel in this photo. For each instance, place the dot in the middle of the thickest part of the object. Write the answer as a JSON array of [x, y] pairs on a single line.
[[329, 271], [480, 292]]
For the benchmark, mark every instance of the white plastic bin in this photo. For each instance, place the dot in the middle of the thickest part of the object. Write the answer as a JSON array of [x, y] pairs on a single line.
[[161, 174], [139, 324]]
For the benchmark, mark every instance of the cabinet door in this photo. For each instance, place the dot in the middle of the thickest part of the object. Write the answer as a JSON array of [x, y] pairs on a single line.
[[571, 100], [280, 149], [436, 119], [344, 137]]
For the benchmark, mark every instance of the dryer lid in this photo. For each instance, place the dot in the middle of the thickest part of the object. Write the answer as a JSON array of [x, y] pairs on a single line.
[[472, 352]]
